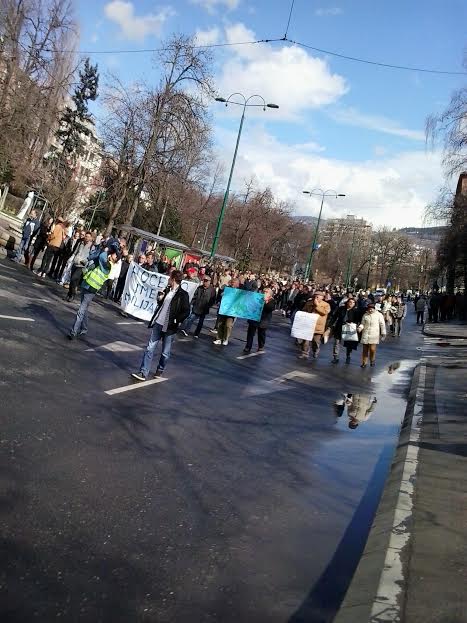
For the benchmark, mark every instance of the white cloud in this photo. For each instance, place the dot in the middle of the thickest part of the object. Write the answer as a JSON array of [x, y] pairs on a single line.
[[136, 27], [207, 37], [390, 191], [287, 75], [331, 11], [351, 116], [212, 5]]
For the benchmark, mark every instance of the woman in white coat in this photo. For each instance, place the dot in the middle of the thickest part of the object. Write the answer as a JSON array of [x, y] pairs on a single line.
[[372, 328]]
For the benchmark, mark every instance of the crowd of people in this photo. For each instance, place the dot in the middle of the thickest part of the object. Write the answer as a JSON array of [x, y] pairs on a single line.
[[81, 259]]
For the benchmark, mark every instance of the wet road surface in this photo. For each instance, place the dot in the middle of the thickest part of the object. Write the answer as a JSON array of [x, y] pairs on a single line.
[[232, 491]]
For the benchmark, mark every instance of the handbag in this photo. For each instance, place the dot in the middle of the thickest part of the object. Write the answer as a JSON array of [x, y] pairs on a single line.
[[349, 332]]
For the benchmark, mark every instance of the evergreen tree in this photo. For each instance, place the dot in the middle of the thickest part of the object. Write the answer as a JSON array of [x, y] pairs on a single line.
[[75, 120]]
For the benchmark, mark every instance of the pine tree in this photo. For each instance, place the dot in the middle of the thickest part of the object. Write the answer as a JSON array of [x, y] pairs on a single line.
[[75, 120]]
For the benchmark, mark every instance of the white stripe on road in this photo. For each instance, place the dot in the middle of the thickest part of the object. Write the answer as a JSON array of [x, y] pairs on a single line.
[[133, 322], [39, 285], [135, 385], [7, 267], [386, 606], [17, 318], [116, 347], [5, 278], [260, 352], [279, 384]]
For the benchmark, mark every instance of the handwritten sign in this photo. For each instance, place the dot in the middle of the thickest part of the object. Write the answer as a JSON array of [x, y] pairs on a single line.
[[142, 286], [304, 325]]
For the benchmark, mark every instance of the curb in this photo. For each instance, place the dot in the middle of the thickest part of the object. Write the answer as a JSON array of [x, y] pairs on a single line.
[[377, 589]]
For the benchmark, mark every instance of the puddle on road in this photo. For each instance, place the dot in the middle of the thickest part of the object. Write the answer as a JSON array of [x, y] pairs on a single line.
[[357, 407]]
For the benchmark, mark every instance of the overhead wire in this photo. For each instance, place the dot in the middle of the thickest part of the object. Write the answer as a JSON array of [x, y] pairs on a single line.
[[288, 21]]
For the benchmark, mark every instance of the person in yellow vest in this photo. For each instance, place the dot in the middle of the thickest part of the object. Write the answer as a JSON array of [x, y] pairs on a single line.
[[95, 275]]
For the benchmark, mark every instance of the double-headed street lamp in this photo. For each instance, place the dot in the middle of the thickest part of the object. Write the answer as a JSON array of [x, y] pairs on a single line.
[[245, 105], [317, 192]]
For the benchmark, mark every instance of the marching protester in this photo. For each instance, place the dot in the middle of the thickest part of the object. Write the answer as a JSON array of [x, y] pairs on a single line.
[[94, 276], [40, 236], [127, 258], [81, 251], [55, 239], [397, 312], [261, 325], [225, 323], [344, 328], [173, 307], [203, 299], [373, 329], [316, 306], [29, 228], [420, 307]]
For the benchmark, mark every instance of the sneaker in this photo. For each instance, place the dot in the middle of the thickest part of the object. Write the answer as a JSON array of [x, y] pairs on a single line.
[[217, 342], [196, 336], [70, 336], [260, 350], [139, 376], [363, 365], [372, 364], [82, 333], [158, 374], [246, 351], [225, 343], [213, 330], [183, 332], [303, 356]]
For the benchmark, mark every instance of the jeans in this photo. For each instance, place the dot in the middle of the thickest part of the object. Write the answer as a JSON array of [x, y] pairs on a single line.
[[156, 336], [23, 245], [337, 347], [420, 316], [190, 320], [49, 257], [81, 322], [397, 326], [252, 328]]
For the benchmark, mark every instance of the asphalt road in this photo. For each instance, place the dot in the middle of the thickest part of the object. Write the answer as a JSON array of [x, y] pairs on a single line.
[[230, 492]]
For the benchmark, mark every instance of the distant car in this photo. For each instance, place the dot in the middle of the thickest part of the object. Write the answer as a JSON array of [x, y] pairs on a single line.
[[379, 292]]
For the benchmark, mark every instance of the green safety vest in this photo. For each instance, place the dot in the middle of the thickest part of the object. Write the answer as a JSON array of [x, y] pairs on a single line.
[[96, 277]]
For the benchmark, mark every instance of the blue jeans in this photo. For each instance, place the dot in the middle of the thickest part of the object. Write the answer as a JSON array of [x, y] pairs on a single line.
[[190, 320], [81, 322], [156, 336], [23, 245]]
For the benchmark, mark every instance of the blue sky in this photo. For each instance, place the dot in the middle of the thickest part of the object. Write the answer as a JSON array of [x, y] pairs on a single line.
[[356, 128]]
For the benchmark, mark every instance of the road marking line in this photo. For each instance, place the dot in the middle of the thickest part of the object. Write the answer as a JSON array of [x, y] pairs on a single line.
[[39, 285], [7, 267], [17, 318], [135, 385], [386, 606], [5, 278], [132, 322], [116, 347], [261, 352], [278, 384]]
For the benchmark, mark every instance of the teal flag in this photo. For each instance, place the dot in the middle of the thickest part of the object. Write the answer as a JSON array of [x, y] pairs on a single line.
[[242, 304]]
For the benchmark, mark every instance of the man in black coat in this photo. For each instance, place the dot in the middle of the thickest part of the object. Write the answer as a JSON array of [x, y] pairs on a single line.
[[262, 325], [173, 307], [203, 300]]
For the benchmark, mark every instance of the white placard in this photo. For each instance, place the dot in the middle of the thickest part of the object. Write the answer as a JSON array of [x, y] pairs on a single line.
[[304, 324], [139, 298]]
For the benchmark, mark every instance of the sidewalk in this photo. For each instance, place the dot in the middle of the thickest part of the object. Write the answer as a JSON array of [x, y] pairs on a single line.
[[452, 329], [414, 567]]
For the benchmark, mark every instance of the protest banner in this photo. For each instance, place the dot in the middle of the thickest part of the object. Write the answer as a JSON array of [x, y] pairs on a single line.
[[242, 304], [139, 298], [304, 324]]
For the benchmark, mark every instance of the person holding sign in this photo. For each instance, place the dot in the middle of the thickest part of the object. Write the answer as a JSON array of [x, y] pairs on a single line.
[[173, 307], [316, 306], [261, 325]]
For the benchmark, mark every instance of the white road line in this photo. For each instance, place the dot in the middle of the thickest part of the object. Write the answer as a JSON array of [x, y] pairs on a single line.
[[133, 322], [7, 267], [387, 603], [260, 352], [5, 278], [278, 384], [39, 285], [135, 385], [17, 318], [116, 347]]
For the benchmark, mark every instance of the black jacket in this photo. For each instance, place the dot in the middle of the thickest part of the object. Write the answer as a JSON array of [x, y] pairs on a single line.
[[179, 310], [266, 315], [354, 315], [203, 300]]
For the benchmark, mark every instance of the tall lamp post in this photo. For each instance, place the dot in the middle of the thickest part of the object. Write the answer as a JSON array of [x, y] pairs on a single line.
[[245, 105], [317, 192]]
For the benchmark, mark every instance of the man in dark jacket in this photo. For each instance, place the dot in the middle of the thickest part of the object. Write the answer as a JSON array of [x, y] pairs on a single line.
[[30, 227], [262, 325], [203, 300], [173, 307]]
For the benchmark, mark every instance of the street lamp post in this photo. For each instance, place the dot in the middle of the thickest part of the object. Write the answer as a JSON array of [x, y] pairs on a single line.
[[348, 278], [245, 104], [317, 192]]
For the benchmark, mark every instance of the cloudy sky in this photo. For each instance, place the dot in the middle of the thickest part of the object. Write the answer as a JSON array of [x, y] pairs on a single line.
[[352, 127]]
